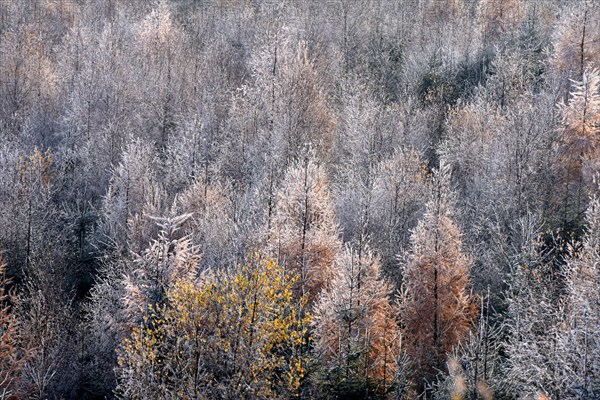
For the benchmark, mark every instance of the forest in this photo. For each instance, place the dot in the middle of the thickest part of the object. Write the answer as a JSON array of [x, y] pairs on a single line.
[[300, 199]]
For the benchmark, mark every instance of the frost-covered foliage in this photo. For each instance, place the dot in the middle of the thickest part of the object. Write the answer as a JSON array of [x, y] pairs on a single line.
[[422, 171]]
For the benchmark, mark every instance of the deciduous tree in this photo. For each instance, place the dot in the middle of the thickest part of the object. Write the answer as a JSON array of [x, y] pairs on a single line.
[[305, 234], [357, 338], [580, 143], [437, 307], [226, 335], [580, 332]]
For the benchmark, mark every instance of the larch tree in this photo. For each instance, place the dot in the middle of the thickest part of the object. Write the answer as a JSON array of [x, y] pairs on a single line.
[[133, 193], [399, 193], [359, 148], [305, 234], [160, 51], [576, 40], [580, 143], [34, 190], [29, 82], [167, 259], [43, 271], [95, 68], [499, 17], [211, 227], [357, 338], [495, 152], [127, 290], [475, 367], [580, 332], [533, 358], [437, 306]]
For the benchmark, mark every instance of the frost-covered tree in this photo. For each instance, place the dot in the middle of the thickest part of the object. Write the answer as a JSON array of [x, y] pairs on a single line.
[[580, 143], [126, 291], [359, 148], [305, 235], [533, 320], [133, 194], [357, 339], [580, 332], [160, 44], [12, 355], [166, 260], [399, 195], [576, 40], [476, 365], [211, 226], [495, 153], [498, 18]]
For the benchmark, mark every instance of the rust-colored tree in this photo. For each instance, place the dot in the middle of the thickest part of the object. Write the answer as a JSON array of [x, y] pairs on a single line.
[[437, 307], [499, 17]]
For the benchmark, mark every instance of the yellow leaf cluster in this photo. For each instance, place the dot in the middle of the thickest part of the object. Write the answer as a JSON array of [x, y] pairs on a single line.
[[243, 330]]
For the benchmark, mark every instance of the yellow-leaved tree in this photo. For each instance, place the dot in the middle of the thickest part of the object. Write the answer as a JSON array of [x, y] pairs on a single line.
[[234, 334]]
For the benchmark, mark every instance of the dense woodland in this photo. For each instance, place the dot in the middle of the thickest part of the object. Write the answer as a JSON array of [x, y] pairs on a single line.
[[300, 199]]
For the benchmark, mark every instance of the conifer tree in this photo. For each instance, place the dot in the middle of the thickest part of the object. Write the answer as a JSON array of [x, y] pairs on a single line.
[[499, 17], [133, 191], [580, 143], [166, 260], [305, 236], [126, 291], [12, 357], [399, 192], [211, 226], [580, 336], [533, 362], [437, 307], [476, 363], [355, 328], [576, 40]]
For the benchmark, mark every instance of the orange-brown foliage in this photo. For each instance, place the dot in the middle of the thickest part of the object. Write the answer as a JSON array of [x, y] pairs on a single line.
[[437, 308]]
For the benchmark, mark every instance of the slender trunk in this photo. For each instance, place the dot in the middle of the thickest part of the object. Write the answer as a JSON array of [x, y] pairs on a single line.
[[582, 49], [28, 254]]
